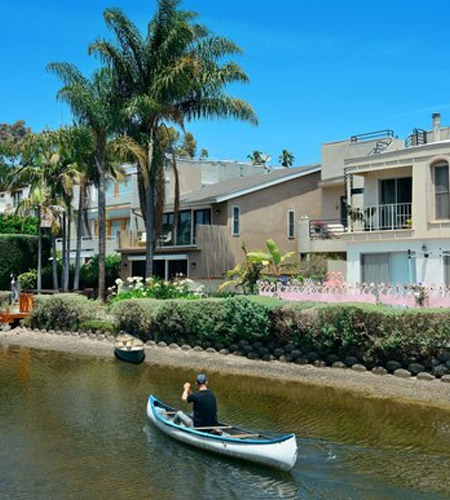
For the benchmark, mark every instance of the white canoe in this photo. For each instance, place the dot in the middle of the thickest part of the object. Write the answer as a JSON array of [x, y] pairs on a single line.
[[279, 453]]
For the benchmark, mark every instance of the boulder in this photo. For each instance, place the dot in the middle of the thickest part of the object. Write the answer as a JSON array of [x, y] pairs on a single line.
[[278, 352], [416, 368], [338, 364], [319, 363], [379, 370], [207, 344], [100, 336], [219, 346], [431, 363], [357, 367], [289, 347], [243, 343], [440, 370], [331, 358], [267, 357], [425, 376], [238, 352], [233, 347], [174, 346], [186, 347], [444, 357], [162, 344], [351, 360], [252, 355], [393, 365], [150, 343], [224, 351], [210, 350], [198, 348], [247, 349], [83, 335], [282, 358], [445, 378], [92, 336], [257, 345], [263, 351], [402, 373], [301, 361], [312, 356], [296, 354]]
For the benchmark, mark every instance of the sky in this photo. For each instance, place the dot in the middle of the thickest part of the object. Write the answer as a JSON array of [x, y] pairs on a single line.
[[319, 70]]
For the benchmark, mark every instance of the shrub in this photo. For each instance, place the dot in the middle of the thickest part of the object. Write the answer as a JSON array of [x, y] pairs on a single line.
[[19, 254], [5, 295], [28, 280], [63, 311], [15, 224], [135, 316], [89, 271], [98, 325]]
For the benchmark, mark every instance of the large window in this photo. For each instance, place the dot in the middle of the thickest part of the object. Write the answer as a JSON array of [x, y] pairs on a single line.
[[202, 217], [441, 191], [291, 224], [184, 229], [236, 220], [396, 268], [447, 270]]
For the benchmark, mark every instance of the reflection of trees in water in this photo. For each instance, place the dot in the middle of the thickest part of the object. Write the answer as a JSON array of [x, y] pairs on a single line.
[[23, 366]]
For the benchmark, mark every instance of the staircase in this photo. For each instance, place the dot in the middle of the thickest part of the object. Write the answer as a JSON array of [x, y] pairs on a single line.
[[381, 146]]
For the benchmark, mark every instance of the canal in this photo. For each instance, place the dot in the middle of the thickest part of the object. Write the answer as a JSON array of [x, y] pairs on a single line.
[[75, 428]]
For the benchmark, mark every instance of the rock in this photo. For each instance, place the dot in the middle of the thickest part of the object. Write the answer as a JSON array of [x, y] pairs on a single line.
[[268, 357], [440, 370], [402, 373], [392, 365], [301, 361], [444, 357], [282, 358], [416, 368], [447, 364], [101, 337], [110, 338], [431, 363], [83, 335], [331, 358], [211, 350], [263, 351], [74, 334], [162, 344], [425, 376], [358, 367], [219, 346], [233, 347], [257, 345], [174, 346], [66, 333], [224, 351], [51, 332], [278, 352], [92, 336], [288, 348], [186, 347], [198, 348], [252, 355], [296, 354], [243, 343], [247, 349], [445, 378], [351, 360], [312, 356], [207, 344], [238, 352], [150, 343], [379, 370], [338, 364], [319, 363]]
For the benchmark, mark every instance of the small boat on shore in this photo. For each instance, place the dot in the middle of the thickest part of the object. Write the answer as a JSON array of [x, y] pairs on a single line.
[[129, 348], [279, 453]]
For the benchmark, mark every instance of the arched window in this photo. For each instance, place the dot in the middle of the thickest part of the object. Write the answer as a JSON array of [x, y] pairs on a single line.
[[441, 190]]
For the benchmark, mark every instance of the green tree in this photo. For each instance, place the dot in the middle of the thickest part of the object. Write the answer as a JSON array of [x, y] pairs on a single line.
[[272, 259], [172, 74], [95, 103], [11, 139], [257, 158], [286, 158], [188, 147], [204, 154]]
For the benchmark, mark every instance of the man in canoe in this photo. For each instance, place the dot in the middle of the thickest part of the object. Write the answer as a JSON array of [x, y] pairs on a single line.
[[204, 405]]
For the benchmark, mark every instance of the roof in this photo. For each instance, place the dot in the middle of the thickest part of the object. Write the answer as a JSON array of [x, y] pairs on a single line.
[[239, 186]]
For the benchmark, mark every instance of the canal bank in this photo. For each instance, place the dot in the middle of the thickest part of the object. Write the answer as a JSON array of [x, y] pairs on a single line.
[[433, 393]]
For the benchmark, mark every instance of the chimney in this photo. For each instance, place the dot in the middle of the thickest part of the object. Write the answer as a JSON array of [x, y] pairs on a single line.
[[436, 126]]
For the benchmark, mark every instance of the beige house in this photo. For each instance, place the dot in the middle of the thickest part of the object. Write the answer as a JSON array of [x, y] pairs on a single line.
[[216, 220]]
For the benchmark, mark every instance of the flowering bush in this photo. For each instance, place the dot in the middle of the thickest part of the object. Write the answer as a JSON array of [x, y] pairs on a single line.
[[155, 288]]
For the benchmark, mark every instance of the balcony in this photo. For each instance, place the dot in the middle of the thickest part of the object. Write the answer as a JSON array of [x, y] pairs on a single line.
[[321, 235], [387, 217]]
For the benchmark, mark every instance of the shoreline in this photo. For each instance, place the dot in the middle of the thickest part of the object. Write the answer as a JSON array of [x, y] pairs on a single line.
[[431, 394]]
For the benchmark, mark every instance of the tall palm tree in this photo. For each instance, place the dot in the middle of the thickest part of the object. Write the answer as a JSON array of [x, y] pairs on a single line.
[[286, 158], [172, 73], [94, 103]]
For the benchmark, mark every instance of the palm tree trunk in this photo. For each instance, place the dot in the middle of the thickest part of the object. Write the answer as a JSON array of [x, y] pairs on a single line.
[[54, 264], [76, 279], [64, 241], [67, 270], [150, 195], [39, 262], [101, 223]]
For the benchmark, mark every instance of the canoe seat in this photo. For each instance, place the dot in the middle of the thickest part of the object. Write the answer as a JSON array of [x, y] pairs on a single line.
[[243, 436]]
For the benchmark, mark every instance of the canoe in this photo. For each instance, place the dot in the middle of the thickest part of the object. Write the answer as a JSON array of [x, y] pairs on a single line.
[[279, 453], [129, 348]]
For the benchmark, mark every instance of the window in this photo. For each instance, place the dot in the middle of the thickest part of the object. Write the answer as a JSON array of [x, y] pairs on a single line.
[[447, 270], [441, 191], [17, 198], [396, 268], [202, 217], [236, 222], [291, 224]]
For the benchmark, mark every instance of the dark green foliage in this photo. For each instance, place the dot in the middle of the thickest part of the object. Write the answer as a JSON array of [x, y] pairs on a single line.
[[98, 326], [4, 298], [62, 311], [14, 224], [89, 271], [19, 254]]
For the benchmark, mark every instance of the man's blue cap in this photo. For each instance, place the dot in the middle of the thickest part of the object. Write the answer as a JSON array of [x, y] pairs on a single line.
[[201, 378]]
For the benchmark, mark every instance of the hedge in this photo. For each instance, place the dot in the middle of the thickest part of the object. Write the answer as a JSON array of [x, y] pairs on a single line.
[[4, 298], [19, 254]]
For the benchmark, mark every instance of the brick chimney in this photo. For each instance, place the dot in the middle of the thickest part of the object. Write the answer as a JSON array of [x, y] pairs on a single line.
[[436, 126]]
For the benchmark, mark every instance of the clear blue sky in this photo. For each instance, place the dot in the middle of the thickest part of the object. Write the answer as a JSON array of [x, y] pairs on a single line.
[[320, 71]]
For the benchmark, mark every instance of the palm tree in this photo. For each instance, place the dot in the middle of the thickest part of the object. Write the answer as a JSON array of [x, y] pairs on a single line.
[[286, 158], [171, 74], [94, 102], [257, 158]]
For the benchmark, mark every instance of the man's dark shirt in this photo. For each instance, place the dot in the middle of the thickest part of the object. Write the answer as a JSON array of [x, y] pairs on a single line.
[[205, 408]]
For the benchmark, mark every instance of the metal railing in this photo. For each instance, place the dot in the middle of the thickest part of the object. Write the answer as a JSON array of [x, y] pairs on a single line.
[[416, 138], [326, 229], [369, 136], [388, 217]]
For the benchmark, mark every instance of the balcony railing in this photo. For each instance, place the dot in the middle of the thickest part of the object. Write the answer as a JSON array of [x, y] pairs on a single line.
[[326, 229], [388, 217]]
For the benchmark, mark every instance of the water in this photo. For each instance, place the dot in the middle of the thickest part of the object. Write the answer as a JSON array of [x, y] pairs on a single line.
[[75, 428]]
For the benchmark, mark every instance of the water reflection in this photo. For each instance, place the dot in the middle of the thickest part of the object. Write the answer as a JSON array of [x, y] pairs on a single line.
[[76, 427]]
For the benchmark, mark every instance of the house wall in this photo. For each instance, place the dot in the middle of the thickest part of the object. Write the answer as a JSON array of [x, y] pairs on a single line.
[[331, 202]]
